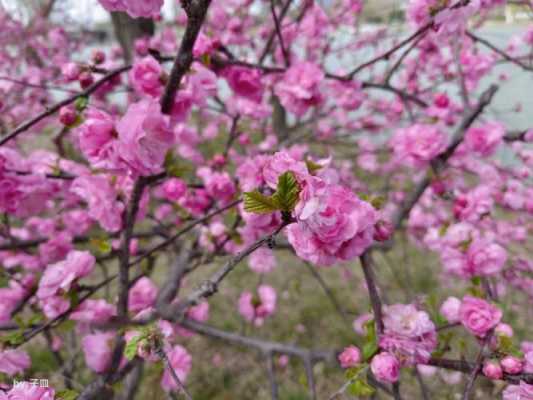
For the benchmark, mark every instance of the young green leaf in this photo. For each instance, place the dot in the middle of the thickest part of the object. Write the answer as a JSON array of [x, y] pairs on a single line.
[[256, 202], [131, 347], [360, 388], [287, 191], [67, 394]]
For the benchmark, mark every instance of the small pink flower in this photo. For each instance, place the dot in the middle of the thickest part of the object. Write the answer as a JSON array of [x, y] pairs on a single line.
[[13, 362], [522, 391], [478, 316], [142, 295], [174, 189], [299, 89], [257, 309], [67, 115], [418, 144], [146, 77], [181, 362], [350, 357], [485, 139], [60, 276], [512, 365], [98, 350], [245, 82], [492, 370], [450, 309], [385, 367]]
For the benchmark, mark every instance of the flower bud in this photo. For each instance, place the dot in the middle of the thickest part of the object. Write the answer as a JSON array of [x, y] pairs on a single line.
[[86, 79], [350, 357], [383, 230], [492, 369], [67, 115], [512, 365]]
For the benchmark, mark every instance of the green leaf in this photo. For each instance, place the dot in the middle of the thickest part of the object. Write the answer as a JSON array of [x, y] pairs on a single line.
[[14, 338], [353, 372], [81, 103], [66, 326], [258, 203], [287, 191], [67, 394], [371, 342], [103, 245], [360, 388], [174, 166], [131, 347]]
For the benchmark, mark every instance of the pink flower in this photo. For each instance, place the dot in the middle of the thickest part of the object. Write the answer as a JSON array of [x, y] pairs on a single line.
[[409, 334], [71, 71], [96, 138], [523, 391], [145, 137], [174, 189], [262, 260], [450, 309], [142, 295], [245, 82], [93, 311], [333, 224], [528, 362], [181, 362], [512, 365], [385, 367], [98, 350], [492, 370], [418, 144], [13, 362], [478, 316], [473, 205], [27, 391], [59, 277], [278, 164], [300, 87], [256, 309], [199, 313], [146, 76], [350, 357], [101, 198], [482, 258], [218, 185], [485, 139]]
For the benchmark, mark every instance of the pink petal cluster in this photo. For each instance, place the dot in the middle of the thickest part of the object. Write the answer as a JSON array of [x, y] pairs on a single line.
[[101, 199], [96, 138], [135, 8], [300, 87], [332, 224], [245, 82], [98, 350], [450, 309], [218, 185], [481, 258], [492, 369], [181, 362], [142, 295], [147, 77], [58, 278], [474, 205], [13, 361], [350, 357], [93, 311], [409, 334], [144, 137], [479, 316], [522, 391], [385, 367], [256, 309], [485, 139], [27, 391], [418, 144]]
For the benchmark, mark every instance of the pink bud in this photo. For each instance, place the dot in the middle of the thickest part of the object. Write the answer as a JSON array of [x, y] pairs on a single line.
[[450, 309], [512, 365], [383, 230], [86, 79], [98, 56], [350, 357], [67, 115], [438, 186], [492, 370], [503, 330]]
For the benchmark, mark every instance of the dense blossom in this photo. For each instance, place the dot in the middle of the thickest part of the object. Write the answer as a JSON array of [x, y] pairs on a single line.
[[135, 8], [256, 308]]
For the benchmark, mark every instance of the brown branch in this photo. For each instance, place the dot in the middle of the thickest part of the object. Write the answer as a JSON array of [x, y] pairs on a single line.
[[270, 40], [196, 11], [286, 55], [375, 301], [498, 51], [50, 111]]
